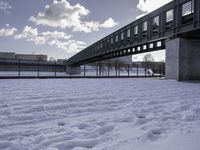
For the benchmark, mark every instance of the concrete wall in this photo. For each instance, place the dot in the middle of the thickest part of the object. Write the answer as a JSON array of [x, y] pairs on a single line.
[[182, 59], [172, 59]]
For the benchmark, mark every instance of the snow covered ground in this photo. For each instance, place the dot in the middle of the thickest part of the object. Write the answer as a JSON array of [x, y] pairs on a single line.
[[104, 114]]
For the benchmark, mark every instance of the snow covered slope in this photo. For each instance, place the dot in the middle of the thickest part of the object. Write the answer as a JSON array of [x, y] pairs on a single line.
[[104, 114]]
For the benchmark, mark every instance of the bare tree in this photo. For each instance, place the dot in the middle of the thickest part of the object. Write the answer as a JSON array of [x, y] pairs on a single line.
[[52, 59], [149, 63], [148, 58]]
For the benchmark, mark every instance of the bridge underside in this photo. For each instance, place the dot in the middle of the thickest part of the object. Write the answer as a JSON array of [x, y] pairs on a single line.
[[150, 46], [191, 35]]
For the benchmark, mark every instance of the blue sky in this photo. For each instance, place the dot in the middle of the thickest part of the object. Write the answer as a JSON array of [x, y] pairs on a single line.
[[60, 28]]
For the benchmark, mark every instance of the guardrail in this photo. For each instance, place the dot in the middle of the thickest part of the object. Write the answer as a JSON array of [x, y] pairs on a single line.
[[17, 69]]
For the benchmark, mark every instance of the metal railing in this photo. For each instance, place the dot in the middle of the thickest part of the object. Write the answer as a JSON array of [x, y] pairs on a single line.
[[13, 68], [123, 70], [30, 68]]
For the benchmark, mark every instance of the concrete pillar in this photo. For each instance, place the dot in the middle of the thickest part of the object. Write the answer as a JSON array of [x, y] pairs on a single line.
[[73, 70], [182, 59]]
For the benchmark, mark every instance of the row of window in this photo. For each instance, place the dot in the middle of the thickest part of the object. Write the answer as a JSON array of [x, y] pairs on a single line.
[[187, 9], [139, 48]]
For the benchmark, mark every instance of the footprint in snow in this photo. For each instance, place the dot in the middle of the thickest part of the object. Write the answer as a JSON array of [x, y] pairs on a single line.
[[155, 134], [61, 123]]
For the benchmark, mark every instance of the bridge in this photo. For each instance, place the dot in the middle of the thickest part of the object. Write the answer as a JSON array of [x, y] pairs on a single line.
[[174, 27]]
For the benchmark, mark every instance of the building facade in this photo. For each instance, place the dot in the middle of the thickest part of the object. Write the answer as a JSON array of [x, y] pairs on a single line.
[[31, 57], [6, 55]]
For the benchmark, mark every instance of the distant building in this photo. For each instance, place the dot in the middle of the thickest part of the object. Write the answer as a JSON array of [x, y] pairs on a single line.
[[31, 57], [7, 55]]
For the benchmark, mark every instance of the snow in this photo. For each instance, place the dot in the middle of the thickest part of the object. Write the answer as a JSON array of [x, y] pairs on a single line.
[[103, 114]]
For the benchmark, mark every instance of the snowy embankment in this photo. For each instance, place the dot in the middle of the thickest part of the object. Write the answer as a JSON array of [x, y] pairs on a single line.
[[108, 114]]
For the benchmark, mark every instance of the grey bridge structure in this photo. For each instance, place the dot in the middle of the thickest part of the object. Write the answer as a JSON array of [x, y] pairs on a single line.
[[174, 27]]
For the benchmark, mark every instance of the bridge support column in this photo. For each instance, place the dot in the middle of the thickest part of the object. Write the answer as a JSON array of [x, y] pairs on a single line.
[[182, 59], [73, 70]]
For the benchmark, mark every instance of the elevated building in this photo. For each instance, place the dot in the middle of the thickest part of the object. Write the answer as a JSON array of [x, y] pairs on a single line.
[[174, 27]]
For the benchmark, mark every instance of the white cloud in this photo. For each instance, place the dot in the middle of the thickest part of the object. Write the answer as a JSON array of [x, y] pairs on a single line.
[[109, 23], [86, 27], [63, 15], [71, 46], [5, 7], [7, 25], [58, 39], [38, 40], [28, 32], [7, 31], [148, 6], [56, 35]]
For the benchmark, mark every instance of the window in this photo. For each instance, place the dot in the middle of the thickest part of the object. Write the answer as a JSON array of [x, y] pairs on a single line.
[[144, 47], [111, 41], [135, 30], [187, 8], [144, 26], [95, 47], [169, 15], [128, 33], [108, 41], [155, 22], [117, 38], [151, 45], [122, 35], [159, 44]]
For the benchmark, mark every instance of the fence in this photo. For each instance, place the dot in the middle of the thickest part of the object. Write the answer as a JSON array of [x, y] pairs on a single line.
[[21, 68], [125, 70], [13, 68]]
